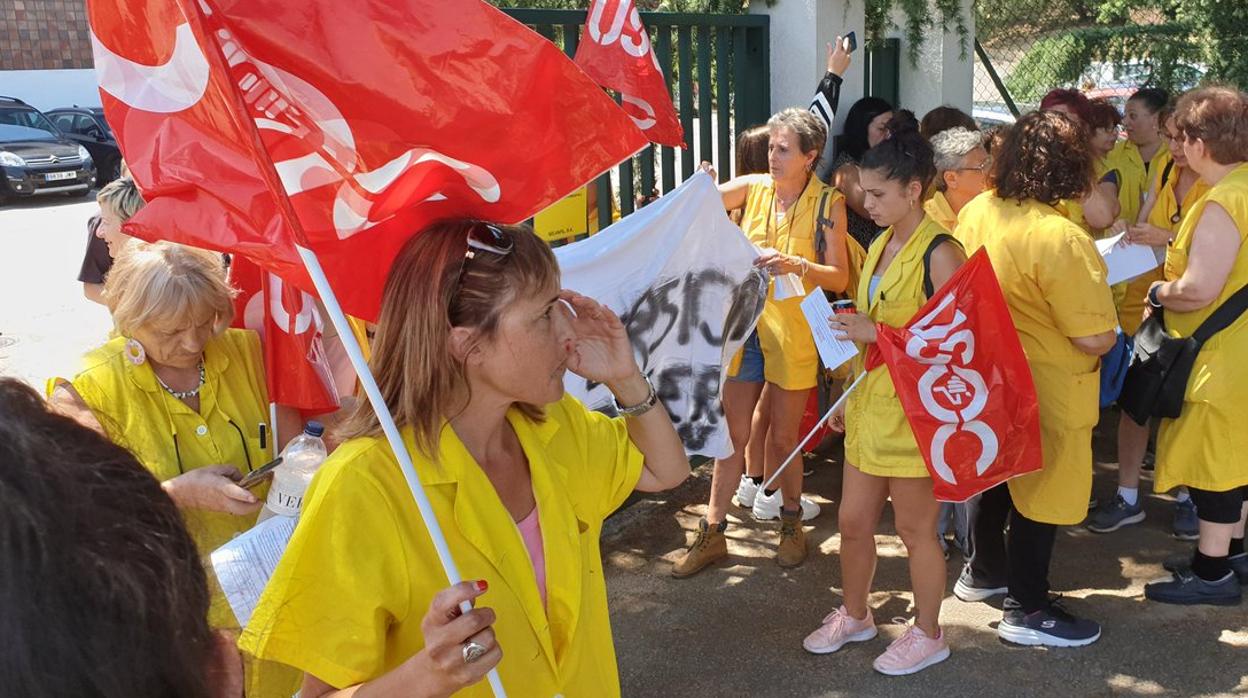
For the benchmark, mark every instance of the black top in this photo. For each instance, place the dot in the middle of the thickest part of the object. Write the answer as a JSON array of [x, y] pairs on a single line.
[[96, 262]]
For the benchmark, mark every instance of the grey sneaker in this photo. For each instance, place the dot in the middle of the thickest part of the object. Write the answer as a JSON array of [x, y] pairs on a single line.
[[1186, 589], [1186, 525], [1115, 515]]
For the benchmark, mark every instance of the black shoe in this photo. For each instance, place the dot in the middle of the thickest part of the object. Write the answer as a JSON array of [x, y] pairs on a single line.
[[1186, 589], [1183, 563], [1050, 627], [971, 590]]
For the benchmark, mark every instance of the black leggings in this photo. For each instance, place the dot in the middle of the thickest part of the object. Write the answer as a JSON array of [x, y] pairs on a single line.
[[1022, 561], [1219, 507]]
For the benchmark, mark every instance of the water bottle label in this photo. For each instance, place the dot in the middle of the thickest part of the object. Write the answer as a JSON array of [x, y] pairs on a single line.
[[284, 503]]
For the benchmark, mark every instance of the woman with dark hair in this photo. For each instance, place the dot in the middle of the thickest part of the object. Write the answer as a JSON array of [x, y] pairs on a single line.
[[865, 127], [473, 343], [1053, 279], [1144, 151], [882, 459], [1098, 208], [1206, 265], [942, 119]]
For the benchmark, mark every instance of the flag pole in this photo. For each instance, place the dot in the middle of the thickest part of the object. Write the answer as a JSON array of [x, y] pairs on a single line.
[[391, 430], [824, 418]]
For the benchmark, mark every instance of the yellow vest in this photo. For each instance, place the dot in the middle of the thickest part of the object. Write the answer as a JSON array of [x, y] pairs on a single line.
[[938, 209], [346, 601], [1205, 446], [1053, 279], [1134, 299], [790, 359], [1133, 177], [878, 439]]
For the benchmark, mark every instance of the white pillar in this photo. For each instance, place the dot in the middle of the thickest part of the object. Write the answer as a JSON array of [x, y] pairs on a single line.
[[800, 32], [943, 75]]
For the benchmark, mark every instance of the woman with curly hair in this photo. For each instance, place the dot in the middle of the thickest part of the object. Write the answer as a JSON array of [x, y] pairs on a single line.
[[1054, 283], [1097, 208]]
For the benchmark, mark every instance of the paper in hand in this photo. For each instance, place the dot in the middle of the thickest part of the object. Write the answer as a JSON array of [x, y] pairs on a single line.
[[243, 566], [832, 351], [1124, 260]]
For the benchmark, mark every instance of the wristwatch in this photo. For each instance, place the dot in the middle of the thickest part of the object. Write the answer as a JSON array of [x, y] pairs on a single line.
[[645, 406], [1152, 297]]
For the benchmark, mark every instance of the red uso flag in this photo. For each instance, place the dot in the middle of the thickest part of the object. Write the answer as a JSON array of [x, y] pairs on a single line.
[[963, 380], [615, 51], [290, 327], [253, 126]]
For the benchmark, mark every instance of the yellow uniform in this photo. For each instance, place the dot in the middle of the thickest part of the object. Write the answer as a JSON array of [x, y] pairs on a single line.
[[1054, 283], [790, 358], [1205, 446], [169, 438], [878, 439], [1163, 215], [1133, 176], [346, 602], [938, 209]]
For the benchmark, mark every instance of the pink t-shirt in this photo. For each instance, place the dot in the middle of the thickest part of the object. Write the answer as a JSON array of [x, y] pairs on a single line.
[[531, 532]]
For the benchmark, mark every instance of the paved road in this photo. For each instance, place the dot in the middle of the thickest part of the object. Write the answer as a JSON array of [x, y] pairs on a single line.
[[735, 630]]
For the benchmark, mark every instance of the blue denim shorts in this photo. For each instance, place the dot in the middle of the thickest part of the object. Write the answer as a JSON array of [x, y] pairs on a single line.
[[751, 369]]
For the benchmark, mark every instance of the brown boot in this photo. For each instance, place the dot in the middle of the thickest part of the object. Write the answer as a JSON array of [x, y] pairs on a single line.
[[792, 549], [710, 546]]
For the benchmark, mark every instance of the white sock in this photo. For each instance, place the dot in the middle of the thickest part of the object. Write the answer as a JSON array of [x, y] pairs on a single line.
[[1181, 495], [1130, 495]]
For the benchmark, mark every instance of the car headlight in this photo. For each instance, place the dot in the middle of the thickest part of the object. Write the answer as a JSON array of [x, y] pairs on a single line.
[[82, 153], [11, 159]]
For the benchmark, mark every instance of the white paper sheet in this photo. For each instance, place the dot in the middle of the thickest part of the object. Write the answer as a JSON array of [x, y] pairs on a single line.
[[243, 566], [1125, 261], [833, 351]]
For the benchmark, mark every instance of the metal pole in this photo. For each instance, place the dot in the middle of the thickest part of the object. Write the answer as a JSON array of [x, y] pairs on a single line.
[[824, 418], [996, 79]]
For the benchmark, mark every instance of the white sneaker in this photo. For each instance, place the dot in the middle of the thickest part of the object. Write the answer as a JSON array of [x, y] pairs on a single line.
[[767, 508], [746, 491]]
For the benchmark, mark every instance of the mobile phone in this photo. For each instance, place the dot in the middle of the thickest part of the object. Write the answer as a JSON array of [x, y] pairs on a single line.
[[260, 474], [851, 39]]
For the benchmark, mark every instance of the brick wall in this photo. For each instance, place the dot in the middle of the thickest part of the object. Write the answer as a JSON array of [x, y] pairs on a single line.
[[44, 35]]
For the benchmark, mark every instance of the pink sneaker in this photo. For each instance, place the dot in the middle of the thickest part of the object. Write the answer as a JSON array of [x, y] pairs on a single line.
[[839, 628], [913, 652]]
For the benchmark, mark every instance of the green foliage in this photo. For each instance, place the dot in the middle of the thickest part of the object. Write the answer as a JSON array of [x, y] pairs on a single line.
[[921, 18]]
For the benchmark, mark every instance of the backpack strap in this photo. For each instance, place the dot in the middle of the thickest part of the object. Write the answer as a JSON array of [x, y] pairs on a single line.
[[937, 241], [821, 213], [1165, 173], [1221, 318]]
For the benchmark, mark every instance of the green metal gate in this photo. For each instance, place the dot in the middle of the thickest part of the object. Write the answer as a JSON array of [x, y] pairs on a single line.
[[719, 67]]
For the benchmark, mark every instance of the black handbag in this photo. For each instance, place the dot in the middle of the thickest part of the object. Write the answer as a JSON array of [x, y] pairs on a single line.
[[1161, 365]]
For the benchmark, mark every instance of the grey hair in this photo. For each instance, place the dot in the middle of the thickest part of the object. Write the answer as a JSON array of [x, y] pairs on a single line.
[[949, 147], [811, 131]]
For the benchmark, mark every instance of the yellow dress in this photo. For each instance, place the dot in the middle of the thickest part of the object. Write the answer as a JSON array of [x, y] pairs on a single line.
[[1131, 307], [1206, 446], [938, 209], [1054, 283], [1133, 177], [790, 359], [878, 439], [347, 599]]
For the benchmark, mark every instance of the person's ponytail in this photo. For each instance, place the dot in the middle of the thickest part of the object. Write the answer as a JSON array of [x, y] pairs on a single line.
[[904, 156]]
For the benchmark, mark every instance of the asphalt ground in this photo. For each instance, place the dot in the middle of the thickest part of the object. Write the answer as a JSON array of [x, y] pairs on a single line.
[[736, 628]]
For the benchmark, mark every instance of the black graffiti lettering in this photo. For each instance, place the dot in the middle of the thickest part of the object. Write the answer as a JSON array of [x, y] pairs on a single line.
[[748, 299], [651, 318]]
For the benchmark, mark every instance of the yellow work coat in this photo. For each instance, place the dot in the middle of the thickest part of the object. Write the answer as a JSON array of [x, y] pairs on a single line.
[[878, 439], [346, 602], [790, 359], [1133, 176], [938, 209], [1053, 279], [1206, 446]]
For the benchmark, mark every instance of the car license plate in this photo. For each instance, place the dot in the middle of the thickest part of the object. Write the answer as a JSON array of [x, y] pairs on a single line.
[[55, 176]]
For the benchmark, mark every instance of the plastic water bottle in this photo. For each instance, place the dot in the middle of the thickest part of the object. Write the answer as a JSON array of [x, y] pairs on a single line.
[[300, 460]]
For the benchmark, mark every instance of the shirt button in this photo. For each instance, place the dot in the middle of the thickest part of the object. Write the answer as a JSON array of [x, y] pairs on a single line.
[[202, 430]]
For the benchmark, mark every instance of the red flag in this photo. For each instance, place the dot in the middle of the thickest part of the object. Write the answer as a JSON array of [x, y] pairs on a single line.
[[290, 328], [375, 118], [615, 51], [964, 382]]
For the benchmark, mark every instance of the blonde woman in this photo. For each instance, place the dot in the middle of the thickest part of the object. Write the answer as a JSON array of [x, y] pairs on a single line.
[[119, 200]]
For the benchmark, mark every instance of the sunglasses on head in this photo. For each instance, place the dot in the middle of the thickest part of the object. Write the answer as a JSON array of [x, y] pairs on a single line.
[[483, 237]]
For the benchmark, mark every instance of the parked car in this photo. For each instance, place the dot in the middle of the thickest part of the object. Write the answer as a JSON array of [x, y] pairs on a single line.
[[988, 115], [36, 158], [87, 127]]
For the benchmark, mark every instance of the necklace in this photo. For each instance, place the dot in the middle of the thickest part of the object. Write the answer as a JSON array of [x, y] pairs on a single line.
[[184, 394]]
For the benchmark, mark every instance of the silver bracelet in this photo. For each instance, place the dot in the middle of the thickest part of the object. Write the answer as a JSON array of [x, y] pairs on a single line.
[[645, 406]]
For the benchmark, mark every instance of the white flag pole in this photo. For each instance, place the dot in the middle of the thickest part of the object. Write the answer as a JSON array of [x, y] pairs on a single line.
[[824, 418], [391, 430], [275, 446]]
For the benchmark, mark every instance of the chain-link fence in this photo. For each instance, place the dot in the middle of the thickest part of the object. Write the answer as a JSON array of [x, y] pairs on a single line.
[[1106, 48]]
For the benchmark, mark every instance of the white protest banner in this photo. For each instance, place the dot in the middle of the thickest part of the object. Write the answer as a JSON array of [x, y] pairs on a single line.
[[681, 277]]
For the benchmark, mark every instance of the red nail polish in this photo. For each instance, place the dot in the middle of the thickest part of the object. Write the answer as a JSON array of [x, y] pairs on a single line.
[[481, 585]]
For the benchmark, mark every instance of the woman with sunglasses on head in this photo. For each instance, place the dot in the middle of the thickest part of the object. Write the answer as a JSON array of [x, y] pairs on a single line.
[[473, 343]]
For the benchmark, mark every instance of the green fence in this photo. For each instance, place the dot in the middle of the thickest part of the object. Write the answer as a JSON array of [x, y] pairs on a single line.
[[717, 69]]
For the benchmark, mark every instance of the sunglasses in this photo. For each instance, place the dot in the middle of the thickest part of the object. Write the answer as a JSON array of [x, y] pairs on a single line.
[[982, 166], [483, 237]]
